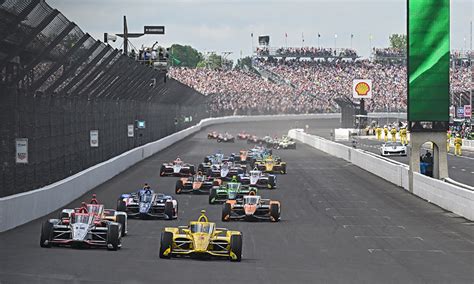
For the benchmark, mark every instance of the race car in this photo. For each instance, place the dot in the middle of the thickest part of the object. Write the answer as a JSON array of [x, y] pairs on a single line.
[[212, 135], [226, 137], [225, 171], [101, 213], [254, 140], [271, 165], [241, 158], [256, 178], [393, 149], [285, 143], [251, 208], [146, 204], [201, 238], [229, 190], [268, 141], [177, 168], [217, 158], [258, 153], [243, 135], [76, 229], [197, 184]]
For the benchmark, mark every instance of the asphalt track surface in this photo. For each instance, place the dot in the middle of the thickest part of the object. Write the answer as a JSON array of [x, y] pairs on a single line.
[[339, 224]]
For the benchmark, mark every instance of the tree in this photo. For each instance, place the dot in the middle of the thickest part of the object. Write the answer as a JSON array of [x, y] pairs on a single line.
[[185, 56], [246, 61], [398, 41], [214, 61]]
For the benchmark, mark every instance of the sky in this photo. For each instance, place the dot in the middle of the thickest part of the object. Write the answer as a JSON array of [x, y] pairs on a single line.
[[226, 26]]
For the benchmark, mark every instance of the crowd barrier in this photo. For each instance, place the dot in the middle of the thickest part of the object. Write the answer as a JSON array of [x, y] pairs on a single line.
[[21, 208], [457, 198]]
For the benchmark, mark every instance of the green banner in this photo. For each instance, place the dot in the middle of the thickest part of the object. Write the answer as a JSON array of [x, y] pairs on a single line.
[[428, 60]]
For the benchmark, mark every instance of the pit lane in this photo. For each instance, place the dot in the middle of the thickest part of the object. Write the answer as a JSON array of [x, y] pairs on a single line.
[[339, 224]]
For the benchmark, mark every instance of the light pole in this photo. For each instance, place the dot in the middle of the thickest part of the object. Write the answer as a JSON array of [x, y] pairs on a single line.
[[335, 42]]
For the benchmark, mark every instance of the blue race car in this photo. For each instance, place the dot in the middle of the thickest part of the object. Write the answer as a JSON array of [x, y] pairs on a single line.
[[146, 204]]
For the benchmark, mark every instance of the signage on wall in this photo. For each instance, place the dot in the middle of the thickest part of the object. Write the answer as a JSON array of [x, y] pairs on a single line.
[[21, 150], [94, 138]]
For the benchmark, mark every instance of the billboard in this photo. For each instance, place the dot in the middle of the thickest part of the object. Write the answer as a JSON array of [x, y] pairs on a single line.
[[428, 60], [362, 89]]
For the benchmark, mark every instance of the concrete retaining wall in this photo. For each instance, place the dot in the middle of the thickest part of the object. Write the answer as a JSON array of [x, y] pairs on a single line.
[[21, 208], [451, 197]]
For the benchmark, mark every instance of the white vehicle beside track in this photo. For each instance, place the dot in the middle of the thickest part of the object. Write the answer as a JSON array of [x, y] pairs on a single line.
[[393, 149]]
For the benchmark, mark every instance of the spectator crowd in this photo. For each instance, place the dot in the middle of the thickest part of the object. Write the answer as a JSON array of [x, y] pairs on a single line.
[[309, 52], [306, 86]]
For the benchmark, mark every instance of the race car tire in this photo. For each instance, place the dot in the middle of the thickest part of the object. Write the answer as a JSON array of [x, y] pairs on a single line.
[[169, 209], [283, 169], [122, 220], [226, 212], [121, 206], [206, 160], [191, 170], [179, 187], [113, 237], [212, 195], [166, 243], [162, 171], [271, 182], [275, 212], [236, 247], [46, 234], [219, 140], [201, 168]]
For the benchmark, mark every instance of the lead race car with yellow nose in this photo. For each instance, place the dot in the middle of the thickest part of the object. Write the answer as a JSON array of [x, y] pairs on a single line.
[[201, 238], [271, 165]]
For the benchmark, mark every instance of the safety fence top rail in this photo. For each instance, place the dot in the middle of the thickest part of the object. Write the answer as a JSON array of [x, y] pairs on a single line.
[[42, 51]]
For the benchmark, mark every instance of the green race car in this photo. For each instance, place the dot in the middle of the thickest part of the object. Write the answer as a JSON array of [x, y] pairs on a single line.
[[230, 190]]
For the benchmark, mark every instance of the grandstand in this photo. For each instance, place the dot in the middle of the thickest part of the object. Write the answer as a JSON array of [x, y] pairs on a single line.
[[310, 79]]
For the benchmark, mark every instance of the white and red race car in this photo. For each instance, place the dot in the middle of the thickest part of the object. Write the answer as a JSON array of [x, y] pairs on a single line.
[[177, 168]]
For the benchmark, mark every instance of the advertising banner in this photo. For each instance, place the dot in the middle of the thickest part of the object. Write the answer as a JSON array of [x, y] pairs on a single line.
[[467, 111], [428, 60], [21, 150], [131, 130], [362, 89], [94, 137]]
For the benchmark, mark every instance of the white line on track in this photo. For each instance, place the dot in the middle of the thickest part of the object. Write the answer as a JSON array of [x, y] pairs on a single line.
[[350, 208], [354, 216], [372, 250], [375, 226], [388, 237]]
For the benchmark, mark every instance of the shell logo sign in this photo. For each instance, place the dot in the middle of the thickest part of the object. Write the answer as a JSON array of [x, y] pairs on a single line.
[[362, 89]]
